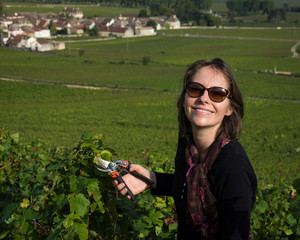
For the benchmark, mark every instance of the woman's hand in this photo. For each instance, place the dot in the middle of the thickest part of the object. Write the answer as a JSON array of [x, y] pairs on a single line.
[[134, 184]]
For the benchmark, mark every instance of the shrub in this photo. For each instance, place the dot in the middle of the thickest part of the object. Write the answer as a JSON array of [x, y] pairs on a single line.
[[146, 60], [57, 193], [271, 217]]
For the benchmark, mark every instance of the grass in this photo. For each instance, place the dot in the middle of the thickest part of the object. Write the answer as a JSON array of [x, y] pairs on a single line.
[[88, 10], [102, 60], [139, 122], [142, 119], [132, 121]]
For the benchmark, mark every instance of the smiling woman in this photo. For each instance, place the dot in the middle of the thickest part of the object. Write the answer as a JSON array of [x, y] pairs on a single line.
[[214, 184]]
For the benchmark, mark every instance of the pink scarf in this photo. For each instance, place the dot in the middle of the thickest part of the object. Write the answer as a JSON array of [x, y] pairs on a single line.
[[202, 210]]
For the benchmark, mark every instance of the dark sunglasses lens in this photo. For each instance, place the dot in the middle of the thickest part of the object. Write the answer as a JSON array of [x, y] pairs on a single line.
[[217, 94], [194, 90]]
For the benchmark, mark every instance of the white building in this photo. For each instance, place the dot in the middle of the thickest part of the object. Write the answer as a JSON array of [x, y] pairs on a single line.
[[145, 31], [42, 33], [41, 45], [173, 22], [27, 42]]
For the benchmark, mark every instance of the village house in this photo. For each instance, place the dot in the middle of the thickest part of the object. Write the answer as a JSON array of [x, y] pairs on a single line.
[[42, 45], [116, 31], [33, 44], [162, 22], [173, 22], [27, 42], [72, 12], [12, 16], [15, 42], [88, 23], [20, 29], [14, 31], [58, 45], [42, 33]]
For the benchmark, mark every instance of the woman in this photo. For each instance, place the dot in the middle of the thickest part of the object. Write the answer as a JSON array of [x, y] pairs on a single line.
[[214, 184]]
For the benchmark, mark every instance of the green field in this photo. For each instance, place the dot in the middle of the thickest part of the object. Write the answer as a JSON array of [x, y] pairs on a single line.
[[88, 10], [138, 114]]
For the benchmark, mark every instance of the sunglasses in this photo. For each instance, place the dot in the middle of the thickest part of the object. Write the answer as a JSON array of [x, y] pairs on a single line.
[[216, 94]]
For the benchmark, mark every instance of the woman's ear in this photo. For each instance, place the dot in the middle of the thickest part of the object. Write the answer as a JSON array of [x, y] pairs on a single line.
[[229, 110]]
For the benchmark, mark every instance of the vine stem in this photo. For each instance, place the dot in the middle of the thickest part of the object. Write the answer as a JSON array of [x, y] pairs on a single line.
[[9, 163]]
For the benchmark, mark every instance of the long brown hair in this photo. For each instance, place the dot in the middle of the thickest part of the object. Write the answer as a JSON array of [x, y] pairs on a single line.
[[231, 125]]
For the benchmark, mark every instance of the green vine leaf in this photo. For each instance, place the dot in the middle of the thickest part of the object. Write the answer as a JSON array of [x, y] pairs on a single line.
[[8, 211], [79, 204], [82, 231]]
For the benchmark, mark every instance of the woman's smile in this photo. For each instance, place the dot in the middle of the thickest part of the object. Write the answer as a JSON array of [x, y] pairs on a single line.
[[202, 110]]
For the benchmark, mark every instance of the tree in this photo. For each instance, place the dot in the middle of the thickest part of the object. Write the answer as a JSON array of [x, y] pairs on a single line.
[[201, 4], [160, 9], [212, 20], [246, 7], [237, 6], [145, 60], [185, 10], [81, 52], [205, 19], [62, 32], [52, 28], [232, 15], [94, 31], [277, 15], [143, 13], [267, 6], [1, 7], [152, 23]]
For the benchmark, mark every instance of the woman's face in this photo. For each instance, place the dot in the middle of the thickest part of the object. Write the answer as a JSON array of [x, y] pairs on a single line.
[[202, 112]]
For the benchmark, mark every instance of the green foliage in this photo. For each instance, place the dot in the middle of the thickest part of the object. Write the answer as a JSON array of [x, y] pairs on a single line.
[[81, 52], [206, 19], [63, 31], [143, 117], [1, 7], [52, 29], [152, 23], [59, 194], [146, 60], [277, 15], [94, 32], [272, 217], [56, 193], [143, 13], [245, 7]]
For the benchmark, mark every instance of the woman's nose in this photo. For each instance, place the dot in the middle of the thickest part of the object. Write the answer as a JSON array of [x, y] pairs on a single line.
[[204, 97]]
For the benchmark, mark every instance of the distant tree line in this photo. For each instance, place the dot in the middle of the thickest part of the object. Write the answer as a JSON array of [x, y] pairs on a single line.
[[188, 11], [266, 7], [247, 7]]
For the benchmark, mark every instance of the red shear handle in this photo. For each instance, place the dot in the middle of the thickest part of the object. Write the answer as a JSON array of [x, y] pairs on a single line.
[[126, 164], [116, 176]]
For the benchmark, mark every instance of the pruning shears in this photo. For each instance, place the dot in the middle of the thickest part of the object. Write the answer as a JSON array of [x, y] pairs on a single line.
[[112, 167]]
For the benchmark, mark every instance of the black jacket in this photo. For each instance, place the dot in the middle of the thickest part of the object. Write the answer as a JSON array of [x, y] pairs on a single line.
[[232, 182]]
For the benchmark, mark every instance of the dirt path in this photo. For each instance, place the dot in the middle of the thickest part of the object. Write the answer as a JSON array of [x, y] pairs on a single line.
[[116, 89], [61, 84]]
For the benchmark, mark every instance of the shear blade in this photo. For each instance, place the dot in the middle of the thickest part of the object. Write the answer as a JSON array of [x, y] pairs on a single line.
[[104, 164]]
